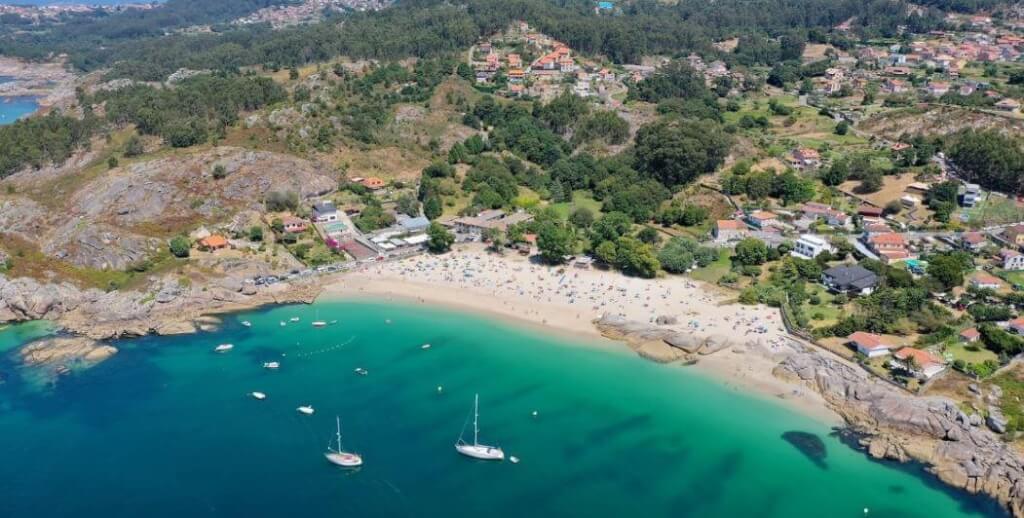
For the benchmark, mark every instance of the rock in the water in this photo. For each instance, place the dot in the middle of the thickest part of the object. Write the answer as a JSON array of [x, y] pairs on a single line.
[[59, 350], [809, 444]]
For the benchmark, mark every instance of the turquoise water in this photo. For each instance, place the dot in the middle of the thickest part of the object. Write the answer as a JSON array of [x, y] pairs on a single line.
[[14, 108], [165, 429]]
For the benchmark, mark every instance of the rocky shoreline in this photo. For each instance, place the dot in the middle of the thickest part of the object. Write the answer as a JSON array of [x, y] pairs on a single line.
[[955, 447], [50, 83], [169, 309]]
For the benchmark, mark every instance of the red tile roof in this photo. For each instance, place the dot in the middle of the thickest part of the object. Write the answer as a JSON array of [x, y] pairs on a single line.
[[922, 357], [887, 239], [985, 278], [869, 341], [730, 224], [970, 333], [973, 238]]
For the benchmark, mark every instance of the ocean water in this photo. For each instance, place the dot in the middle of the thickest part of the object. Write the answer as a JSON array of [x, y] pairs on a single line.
[[14, 108], [165, 429]]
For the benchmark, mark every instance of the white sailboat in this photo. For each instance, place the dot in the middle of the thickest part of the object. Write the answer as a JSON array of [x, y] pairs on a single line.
[[339, 457], [318, 322], [246, 323], [258, 395], [223, 348], [271, 365], [477, 450], [305, 409]]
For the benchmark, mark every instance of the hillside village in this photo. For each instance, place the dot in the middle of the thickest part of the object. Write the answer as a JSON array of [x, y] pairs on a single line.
[[875, 244]]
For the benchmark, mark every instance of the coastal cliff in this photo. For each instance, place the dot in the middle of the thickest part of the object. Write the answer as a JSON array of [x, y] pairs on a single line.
[[892, 424]]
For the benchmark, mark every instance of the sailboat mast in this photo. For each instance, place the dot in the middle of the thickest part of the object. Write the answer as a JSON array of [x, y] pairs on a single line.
[[476, 416], [338, 420]]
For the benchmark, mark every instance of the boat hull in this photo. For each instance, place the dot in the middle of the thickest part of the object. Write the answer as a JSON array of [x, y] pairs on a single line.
[[346, 460], [480, 451]]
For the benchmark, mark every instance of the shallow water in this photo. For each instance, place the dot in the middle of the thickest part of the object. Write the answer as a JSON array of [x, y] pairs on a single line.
[[14, 108], [165, 428]]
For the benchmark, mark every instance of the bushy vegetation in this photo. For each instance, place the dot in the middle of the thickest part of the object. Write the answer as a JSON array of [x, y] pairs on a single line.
[[39, 141], [188, 113]]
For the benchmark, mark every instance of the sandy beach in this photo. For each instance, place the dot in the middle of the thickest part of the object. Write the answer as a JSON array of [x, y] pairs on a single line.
[[567, 300]]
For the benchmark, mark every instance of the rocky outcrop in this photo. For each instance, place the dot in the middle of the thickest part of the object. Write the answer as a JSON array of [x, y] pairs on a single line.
[[168, 309], [64, 350], [27, 299], [899, 426]]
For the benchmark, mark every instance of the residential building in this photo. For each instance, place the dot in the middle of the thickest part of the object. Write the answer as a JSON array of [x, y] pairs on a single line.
[[729, 230], [869, 211], [971, 194], [972, 241], [1012, 259], [475, 226], [412, 224], [894, 86], [294, 225], [373, 183], [1014, 235], [213, 243], [1008, 105], [889, 247], [868, 344], [325, 212], [761, 219], [1017, 325], [970, 335], [921, 363], [810, 246], [937, 88], [985, 281], [806, 157], [853, 279]]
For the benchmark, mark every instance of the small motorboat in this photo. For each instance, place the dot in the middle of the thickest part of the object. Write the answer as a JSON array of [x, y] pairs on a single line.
[[361, 371], [246, 323], [62, 370], [306, 410], [319, 323], [293, 319], [513, 459], [223, 348], [425, 347], [272, 365], [258, 395], [283, 323]]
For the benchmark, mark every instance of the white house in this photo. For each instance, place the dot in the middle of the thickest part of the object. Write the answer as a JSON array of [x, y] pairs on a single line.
[[809, 246], [325, 212], [925, 364], [868, 344], [729, 230], [1012, 259]]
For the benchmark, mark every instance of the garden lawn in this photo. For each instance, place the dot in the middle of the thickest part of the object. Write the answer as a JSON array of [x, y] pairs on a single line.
[[714, 271]]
